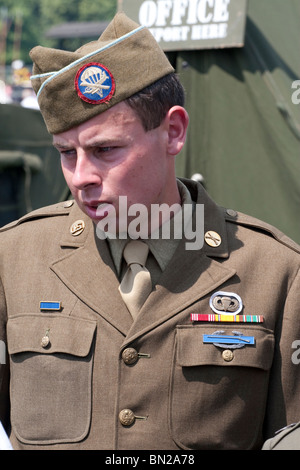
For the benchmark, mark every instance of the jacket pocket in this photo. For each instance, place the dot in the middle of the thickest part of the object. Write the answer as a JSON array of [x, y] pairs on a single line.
[[218, 394], [51, 358]]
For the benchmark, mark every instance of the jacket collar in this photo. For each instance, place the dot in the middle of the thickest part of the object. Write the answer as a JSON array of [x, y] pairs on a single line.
[[214, 220]]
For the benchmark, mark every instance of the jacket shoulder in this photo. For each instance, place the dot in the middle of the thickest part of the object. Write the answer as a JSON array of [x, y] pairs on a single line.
[[287, 438], [54, 210], [257, 225]]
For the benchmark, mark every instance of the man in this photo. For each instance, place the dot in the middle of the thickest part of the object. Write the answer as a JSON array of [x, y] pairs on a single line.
[[205, 359]]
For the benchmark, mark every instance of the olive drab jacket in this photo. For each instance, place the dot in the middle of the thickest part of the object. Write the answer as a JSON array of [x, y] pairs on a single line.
[[287, 438], [209, 363]]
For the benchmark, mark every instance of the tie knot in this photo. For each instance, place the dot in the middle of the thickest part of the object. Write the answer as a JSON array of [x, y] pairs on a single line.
[[136, 251]]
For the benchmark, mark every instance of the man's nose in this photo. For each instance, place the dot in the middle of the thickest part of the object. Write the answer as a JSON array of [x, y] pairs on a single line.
[[86, 172]]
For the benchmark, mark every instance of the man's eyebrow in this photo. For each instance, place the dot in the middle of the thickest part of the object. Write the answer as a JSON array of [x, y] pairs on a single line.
[[60, 146], [106, 142], [91, 144]]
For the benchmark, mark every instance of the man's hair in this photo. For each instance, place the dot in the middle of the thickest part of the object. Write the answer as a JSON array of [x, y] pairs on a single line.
[[153, 102]]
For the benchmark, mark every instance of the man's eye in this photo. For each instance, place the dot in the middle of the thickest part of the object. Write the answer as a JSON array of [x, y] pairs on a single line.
[[67, 153], [105, 149], [105, 152]]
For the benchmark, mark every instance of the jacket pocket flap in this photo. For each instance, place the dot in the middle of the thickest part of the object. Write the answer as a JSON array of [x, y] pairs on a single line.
[[192, 351], [65, 334]]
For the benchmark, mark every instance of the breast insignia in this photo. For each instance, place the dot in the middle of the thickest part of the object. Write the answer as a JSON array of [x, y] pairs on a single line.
[[226, 302], [234, 341]]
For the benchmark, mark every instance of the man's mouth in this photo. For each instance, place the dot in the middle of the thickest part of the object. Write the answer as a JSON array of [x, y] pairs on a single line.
[[97, 210]]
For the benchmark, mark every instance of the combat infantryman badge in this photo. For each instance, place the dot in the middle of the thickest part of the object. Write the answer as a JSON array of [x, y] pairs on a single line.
[[94, 83], [234, 341]]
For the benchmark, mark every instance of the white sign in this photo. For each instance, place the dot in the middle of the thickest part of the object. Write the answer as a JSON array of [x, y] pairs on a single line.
[[190, 24]]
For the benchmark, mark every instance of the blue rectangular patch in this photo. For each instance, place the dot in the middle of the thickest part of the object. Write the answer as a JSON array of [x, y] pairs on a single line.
[[229, 339], [50, 305]]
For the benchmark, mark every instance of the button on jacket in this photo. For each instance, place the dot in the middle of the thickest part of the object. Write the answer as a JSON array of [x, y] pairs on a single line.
[[84, 375]]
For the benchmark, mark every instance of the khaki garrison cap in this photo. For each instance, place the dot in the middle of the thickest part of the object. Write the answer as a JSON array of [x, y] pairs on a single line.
[[73, 87]]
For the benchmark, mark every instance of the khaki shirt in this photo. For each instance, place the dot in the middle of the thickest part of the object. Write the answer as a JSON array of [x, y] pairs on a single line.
[[104, 381]]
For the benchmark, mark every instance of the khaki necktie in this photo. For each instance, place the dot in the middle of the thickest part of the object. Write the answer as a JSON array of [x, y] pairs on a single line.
[[136, 284]]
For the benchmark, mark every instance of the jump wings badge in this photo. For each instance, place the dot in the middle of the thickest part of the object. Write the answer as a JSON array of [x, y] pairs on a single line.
[[227, 303], [94, 83]]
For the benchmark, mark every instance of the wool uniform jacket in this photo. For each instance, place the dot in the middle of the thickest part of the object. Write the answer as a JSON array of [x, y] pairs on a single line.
[[287, 438], [86, 376]]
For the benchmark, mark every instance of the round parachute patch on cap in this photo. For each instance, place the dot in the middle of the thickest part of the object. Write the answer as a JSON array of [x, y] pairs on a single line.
[[94, 83]]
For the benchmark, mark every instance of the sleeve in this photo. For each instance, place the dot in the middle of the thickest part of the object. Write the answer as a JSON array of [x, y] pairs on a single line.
[[4, 364], [283, 405]]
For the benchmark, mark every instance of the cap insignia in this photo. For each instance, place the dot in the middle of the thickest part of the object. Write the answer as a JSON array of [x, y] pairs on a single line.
[[94, 83]]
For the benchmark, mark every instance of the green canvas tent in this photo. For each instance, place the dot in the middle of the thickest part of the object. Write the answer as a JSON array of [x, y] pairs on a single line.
[[244, 135], [30, 173]]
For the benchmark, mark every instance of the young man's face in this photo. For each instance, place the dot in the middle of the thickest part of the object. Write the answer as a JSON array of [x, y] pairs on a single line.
[[111, 155]]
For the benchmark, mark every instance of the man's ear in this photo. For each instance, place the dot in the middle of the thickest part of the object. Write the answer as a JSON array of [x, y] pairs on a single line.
[[177, 120]]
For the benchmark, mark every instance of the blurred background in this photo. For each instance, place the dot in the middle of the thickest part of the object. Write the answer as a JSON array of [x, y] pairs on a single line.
[[239, 62]]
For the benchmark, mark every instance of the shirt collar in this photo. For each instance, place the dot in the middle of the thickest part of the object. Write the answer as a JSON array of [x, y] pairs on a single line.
[[162, 249]]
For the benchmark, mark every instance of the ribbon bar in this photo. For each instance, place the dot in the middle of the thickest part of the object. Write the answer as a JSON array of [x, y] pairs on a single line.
[[227, 318], [47, 305]]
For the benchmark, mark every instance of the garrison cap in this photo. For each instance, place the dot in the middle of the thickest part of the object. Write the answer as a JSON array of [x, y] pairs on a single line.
[[73, 87]]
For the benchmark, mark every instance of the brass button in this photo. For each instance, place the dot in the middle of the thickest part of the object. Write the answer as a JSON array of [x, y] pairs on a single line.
[[126, 417], [212, 238], [227, 355], [45, 341], [130, 356], [67, 204], [231, 212], [77, 228]]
